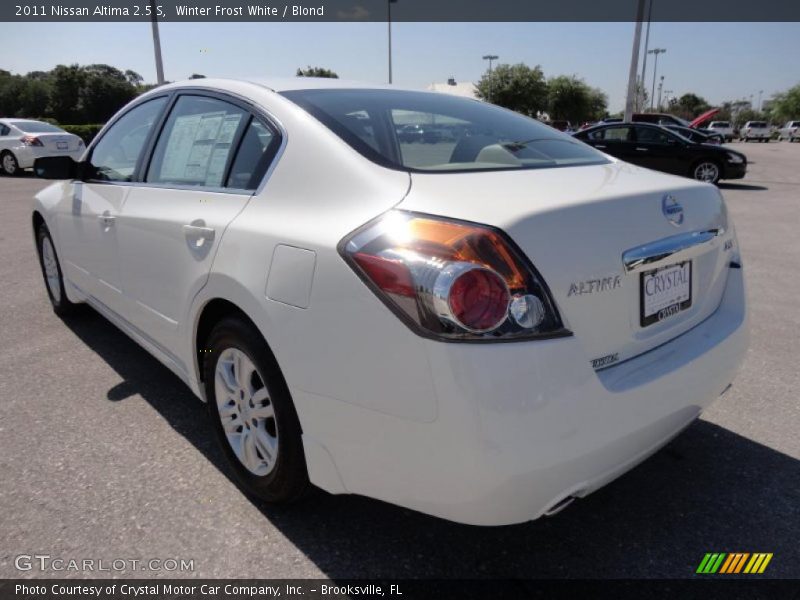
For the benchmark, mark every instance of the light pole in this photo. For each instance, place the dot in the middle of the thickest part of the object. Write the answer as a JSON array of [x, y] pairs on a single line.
[[389, 22], [667, 96], [655, 51], [156, 44], [646, 47], [630, 98], [759, 99], [660, 87], [490, 58]]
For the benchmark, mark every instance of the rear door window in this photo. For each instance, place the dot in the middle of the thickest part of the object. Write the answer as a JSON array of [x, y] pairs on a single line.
[[197, 143]]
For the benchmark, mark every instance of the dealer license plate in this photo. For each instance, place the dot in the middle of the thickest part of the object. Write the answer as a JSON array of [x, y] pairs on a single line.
[[665, 292]]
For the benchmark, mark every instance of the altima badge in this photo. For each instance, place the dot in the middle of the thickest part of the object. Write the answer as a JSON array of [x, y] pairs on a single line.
[[672, 210], [592, 286]]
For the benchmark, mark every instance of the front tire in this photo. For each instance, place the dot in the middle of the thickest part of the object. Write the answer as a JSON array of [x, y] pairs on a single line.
[[252, 414], [707, 171], [9, 164], [51, 272]]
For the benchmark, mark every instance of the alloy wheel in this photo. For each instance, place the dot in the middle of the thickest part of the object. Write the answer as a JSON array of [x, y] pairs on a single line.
[[9, 164], [51, 269], [246, 412], [706, 171]]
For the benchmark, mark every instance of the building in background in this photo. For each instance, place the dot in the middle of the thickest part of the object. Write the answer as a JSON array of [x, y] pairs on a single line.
[[467, 90]]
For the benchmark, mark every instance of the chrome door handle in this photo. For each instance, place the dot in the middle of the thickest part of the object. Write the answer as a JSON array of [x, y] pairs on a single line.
[[641, 149], [198, 234], [598, 146]]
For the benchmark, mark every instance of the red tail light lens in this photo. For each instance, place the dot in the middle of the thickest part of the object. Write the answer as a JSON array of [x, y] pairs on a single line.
[[451, 279], [479, 299], [31, 140]]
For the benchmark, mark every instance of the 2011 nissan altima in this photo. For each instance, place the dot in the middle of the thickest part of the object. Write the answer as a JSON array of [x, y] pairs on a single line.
[[482, 328]]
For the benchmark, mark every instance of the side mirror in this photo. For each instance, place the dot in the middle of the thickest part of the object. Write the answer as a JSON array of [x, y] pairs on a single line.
[[57, 167]]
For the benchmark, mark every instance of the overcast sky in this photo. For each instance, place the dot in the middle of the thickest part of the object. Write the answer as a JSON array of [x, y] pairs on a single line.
[[720, 61]]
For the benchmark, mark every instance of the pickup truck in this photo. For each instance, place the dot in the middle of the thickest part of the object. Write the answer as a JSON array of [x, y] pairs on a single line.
[[790, 131], [724, 128], [755, 130]]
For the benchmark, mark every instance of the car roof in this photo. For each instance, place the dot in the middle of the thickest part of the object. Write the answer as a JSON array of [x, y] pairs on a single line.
[[13, 121], [278, 84]]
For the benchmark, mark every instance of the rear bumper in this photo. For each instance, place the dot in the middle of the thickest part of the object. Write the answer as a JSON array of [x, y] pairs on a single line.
[[27, 155], [521, 426]]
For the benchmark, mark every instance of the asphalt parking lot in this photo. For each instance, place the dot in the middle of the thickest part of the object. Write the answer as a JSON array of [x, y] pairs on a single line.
[[105, 454]]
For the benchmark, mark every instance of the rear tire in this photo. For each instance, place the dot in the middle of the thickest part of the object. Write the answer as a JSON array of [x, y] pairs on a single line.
[[9, 164], [51, 272], [252, 414]]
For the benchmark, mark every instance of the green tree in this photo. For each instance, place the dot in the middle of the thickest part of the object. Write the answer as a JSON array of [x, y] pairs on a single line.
[[785, 106], [516, 87], [570, 98], [688, 106], [65, 90], [104, 90], [599, 104], [317, 72]]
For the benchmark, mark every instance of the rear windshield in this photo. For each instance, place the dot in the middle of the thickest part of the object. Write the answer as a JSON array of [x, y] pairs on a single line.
[[757, 124], [36, 127], [720, 124], [421, 131]]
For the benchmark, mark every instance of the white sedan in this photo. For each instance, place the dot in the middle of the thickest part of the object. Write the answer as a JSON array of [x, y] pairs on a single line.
[[22, 141], [482, 328]]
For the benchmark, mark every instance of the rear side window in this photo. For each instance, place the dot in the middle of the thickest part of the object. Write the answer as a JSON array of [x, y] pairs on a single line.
[[256, 151], [197, 141], [4, 129], [423, 131], [115, 156], [649, 135], [37, 127], [610, 134]]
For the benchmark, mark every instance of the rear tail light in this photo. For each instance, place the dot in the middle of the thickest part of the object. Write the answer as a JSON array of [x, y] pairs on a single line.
[[31, 140], [451, 279]]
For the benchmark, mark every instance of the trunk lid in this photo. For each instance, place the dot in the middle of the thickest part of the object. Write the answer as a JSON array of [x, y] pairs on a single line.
[[58, 142], [576, 223]]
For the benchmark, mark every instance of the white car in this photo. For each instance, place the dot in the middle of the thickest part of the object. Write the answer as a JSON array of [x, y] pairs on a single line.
[[724, 128], [22, 141], [790, 131], [482, 329], [755, 130]]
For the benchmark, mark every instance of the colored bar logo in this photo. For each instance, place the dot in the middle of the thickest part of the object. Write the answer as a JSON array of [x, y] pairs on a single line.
[[734, 563]]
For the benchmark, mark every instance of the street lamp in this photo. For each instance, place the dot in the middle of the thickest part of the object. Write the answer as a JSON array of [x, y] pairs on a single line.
[[655, 51], [630, 97], [646, 47], [660, 87], [667, 96], [156, 44], [389, 22], [490, 58]]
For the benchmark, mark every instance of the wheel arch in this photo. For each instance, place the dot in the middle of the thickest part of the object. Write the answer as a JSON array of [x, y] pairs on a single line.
[[37, 220], [212, 312]]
